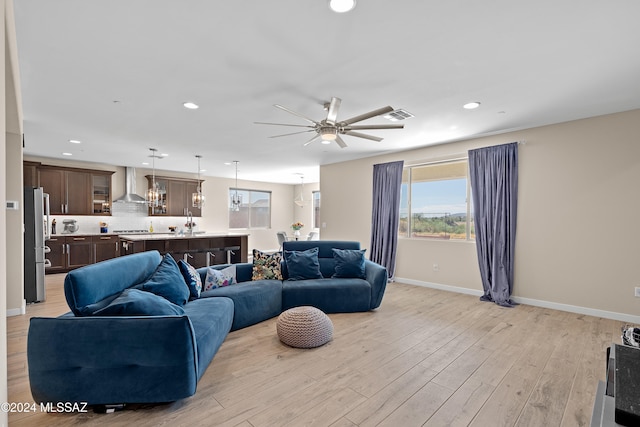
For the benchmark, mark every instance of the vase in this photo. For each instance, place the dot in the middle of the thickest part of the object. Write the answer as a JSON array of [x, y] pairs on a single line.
[[296, 234]]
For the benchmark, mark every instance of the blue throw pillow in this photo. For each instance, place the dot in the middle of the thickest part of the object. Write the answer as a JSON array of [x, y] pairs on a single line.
[[167, 282], [349, 263], [133, 302], [303, 265], [191, 278]]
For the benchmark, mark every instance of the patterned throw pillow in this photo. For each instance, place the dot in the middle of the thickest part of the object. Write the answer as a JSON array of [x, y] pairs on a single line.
[[219, 278], [191, 278], [266, 266]]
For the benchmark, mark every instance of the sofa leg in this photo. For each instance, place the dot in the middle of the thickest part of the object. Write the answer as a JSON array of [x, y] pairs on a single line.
[[108, 409]]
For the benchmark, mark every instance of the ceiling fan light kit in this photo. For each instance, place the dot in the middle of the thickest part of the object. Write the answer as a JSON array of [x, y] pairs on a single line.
[[330, 128], [328, 133]]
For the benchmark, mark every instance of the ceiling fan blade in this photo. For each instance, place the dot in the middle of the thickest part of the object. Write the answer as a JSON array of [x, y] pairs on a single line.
[[283, 124], [363, 135], [340, 142], [295, 114], [368, 115], [311, 140], [293, 133], [332, 115], [370, 127]]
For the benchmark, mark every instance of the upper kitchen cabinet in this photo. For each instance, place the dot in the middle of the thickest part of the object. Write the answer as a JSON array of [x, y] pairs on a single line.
[[76, 191], [175, 196], [30, 173], [101, 194]]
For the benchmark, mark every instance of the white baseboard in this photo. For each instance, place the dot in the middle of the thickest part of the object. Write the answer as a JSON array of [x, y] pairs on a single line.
[[622, 317], [17, 311]]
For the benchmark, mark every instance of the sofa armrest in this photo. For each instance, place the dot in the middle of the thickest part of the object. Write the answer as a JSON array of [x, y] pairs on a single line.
[[377, 277], [112, 360]]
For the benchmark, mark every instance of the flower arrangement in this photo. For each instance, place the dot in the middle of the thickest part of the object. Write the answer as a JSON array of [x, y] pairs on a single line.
[[297, 226]]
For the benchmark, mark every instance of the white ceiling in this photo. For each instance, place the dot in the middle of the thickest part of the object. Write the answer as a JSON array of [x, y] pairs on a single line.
[[114, 74]]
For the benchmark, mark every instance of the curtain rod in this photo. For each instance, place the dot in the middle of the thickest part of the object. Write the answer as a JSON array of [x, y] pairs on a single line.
[[454, 158]]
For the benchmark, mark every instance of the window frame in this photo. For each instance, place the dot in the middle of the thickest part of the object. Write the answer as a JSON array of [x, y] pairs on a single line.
[[469, 234], [316, 209], [249, 192]]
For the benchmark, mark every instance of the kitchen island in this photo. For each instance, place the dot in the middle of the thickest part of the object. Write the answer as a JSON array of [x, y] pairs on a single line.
[[198, 249]]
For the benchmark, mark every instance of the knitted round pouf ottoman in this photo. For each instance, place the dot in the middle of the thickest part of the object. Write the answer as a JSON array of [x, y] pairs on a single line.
[[304, 327]]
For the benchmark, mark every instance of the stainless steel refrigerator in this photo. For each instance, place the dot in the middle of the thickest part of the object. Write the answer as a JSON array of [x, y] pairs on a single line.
[[36, 224]]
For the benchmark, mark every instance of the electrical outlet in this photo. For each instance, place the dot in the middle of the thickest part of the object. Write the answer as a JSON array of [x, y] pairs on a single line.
[[436, 267], [637, 292]]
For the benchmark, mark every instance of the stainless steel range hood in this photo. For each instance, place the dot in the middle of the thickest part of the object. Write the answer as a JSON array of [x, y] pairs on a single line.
[[130, 195]]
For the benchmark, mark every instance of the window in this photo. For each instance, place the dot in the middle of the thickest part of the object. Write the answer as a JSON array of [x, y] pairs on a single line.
[[433, 202], [254, 211], [316, 209]]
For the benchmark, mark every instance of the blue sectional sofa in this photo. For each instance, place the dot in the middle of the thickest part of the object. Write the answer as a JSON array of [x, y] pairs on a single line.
[[96, 355]]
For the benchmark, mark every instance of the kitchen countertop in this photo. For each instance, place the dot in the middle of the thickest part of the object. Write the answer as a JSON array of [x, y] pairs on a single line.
[[53, 236], [151, 236], [171, 236]]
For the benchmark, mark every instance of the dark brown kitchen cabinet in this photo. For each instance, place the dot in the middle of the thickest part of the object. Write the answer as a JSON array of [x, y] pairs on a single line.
[[57, 254], [30, 174], [79, 251], [76, 191], [127, 247], [72, 251], [105, 247], [175, 196], [100, 194], [179, 200], [54, 183]]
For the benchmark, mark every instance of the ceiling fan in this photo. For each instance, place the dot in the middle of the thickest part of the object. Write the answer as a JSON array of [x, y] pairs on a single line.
[[330, 129]]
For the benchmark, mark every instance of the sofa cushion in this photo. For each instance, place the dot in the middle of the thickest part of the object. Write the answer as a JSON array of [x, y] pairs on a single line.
[[134, 302], [211, 319], [218, 278], [325, 254], [253, 301], [191, 278], [167, 282], [349, 263], [329, 295], [266, 266], [94, 286], [303, 265]]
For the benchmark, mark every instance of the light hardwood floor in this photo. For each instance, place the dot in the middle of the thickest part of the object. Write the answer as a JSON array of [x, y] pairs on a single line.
[[425, 357]]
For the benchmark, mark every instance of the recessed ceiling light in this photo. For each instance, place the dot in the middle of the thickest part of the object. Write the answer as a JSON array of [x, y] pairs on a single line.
[[191, 105], [471, 105], [145, 163], [164, 155], [342, 6], [227, 163], [67, 154], [202, 170], [75, 141]]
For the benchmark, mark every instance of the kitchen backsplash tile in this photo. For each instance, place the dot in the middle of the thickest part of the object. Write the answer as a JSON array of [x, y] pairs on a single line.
[[91, 224]]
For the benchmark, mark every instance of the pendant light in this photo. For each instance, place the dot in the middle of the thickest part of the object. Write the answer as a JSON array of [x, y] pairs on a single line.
[[197, 198], [153, 193], [236, 199], [299, 200]]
